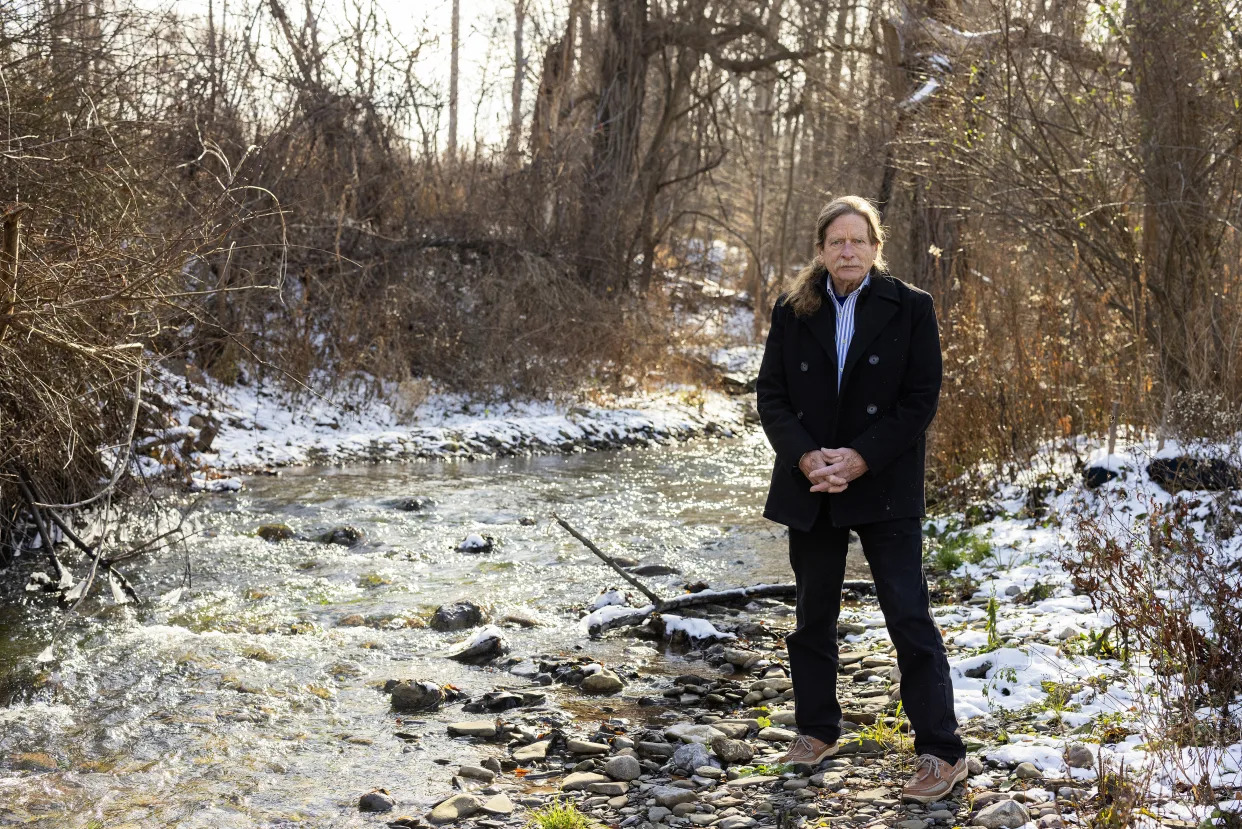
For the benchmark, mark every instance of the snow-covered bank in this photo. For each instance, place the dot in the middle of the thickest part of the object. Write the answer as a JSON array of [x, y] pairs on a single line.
[[259, 428]]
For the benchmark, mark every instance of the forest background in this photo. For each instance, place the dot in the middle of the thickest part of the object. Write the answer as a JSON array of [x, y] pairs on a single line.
[[299, 193]]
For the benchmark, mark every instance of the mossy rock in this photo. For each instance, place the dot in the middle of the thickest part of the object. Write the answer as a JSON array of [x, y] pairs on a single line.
[[275, 532], [342, 536]]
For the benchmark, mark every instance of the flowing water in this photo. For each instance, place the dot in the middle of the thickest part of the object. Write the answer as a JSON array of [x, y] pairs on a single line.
[[248, 703]]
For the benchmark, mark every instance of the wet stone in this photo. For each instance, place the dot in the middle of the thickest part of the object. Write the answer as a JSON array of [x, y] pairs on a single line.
[[409, 696], [576, 746], [497, 805], [456, 616], [342, 536], [604, 682], [477, 773], [275, 532], [378, 800]]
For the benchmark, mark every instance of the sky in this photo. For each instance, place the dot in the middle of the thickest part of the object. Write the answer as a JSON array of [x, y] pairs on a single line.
[[486, 53]]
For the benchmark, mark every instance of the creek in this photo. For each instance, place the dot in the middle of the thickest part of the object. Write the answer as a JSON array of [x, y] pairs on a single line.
[[247, 701]]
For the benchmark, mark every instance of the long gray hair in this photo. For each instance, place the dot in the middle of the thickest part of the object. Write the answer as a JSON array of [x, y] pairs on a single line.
[[805, 296]]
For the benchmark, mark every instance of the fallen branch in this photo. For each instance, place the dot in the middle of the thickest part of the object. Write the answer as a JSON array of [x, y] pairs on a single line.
[[646, 591], [617, 618], [63, 579]]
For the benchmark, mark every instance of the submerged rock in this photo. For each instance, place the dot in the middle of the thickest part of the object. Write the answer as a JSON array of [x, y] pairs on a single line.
[[342, 536], [415, 503], [655, 570], [456, 616], [275, 532], [376, 800], [475, 543]]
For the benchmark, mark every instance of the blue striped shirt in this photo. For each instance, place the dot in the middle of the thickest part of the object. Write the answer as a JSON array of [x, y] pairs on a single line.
[[845, 323]]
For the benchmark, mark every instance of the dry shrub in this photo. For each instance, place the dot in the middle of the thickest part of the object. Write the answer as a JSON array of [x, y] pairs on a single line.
[[1032, 354], [1156, 580]]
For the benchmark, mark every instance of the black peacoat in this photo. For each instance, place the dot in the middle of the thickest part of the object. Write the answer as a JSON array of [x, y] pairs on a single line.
[[888, 397]]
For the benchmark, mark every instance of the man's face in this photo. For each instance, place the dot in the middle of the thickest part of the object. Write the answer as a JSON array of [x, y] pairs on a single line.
[[847, 252]]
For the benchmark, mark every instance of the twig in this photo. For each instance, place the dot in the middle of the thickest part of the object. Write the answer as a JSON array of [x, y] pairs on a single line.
[[23, 487], [646, 591]]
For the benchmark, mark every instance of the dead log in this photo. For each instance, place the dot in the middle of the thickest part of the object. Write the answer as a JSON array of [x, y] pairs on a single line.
[[626, 617]]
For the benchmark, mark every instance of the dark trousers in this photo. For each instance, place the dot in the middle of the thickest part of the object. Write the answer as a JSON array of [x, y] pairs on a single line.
[[894, 549]]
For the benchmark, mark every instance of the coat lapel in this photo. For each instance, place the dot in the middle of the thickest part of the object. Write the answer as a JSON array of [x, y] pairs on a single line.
[[823, 324], [870, 317]]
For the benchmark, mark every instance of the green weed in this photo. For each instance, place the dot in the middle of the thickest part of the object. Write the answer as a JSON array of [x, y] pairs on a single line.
[[559, 815]]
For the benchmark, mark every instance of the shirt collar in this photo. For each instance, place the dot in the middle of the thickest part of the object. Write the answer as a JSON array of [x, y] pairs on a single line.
[[841, 300]]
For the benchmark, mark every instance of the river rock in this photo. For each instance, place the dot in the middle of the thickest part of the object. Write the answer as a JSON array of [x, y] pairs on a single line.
[[610, 789], [670, 796], [455, 616], [477, 773], [1078, 756], [455, 808], [752, 781], [732, 751], [534, 751], [654, 749], [33, 761], [580, 780], [655, 570], [415, 503], [484, 645], [376, 800], [623, 767], [690, 756], [776, 735], [602, 682], [1006, 814], [275, 532], [691, 733], [342, 536], [576, 746], [475, 543], [409, 696], [473, 728], [736, 822], [499, 805], [1027, 771]]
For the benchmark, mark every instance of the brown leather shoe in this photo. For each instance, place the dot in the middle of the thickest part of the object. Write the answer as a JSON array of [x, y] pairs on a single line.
[[933, 779], [809, 750]]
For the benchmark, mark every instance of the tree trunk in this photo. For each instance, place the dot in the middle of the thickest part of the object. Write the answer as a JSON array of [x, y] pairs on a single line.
[[454, 57], [519, 71]]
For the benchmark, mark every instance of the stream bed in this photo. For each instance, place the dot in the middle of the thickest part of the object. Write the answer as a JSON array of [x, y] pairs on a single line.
[[254, 698]]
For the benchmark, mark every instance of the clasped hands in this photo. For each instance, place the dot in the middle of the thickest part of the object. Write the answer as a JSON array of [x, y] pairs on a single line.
[[831, 470]]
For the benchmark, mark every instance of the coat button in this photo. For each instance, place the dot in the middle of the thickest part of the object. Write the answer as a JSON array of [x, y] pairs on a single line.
[[803, 366], [872, 408], [873, 359], [799, 415]]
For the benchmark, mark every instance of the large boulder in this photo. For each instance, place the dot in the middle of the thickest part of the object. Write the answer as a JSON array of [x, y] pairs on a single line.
[[1181, 473]]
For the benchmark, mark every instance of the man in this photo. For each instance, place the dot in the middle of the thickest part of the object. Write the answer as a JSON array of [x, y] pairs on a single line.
[[849, 384]]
